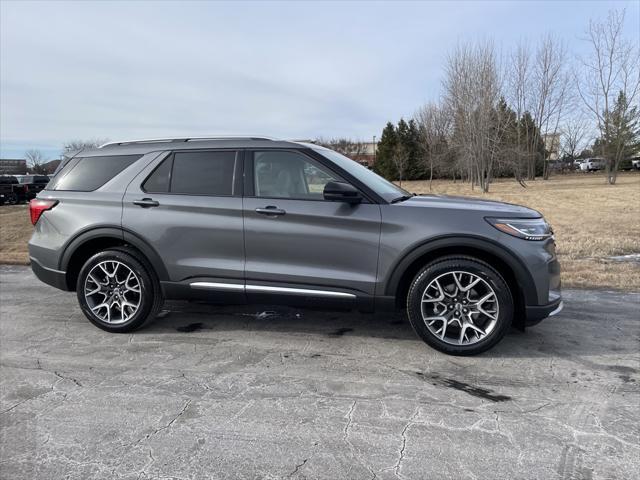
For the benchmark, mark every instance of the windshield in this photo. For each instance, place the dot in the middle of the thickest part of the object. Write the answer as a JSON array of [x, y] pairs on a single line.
[[375, 182]]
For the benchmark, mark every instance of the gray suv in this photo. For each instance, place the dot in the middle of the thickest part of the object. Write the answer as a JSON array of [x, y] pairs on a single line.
[[257, 220]]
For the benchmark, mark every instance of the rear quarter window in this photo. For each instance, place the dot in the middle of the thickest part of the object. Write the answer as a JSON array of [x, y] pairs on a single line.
[[90, 173]]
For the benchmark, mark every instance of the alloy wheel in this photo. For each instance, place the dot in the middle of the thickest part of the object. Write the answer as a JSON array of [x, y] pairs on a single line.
[[460, 308], [113, 292]]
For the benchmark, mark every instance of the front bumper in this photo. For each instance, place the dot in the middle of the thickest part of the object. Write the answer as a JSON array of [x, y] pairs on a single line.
[[535, 314]]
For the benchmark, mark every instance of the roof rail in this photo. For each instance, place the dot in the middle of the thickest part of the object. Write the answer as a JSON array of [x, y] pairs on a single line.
[[185, 139]]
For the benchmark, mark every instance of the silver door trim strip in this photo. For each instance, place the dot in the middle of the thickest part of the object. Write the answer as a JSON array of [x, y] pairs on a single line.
[[299, 291], [267, 289], [216, 286]]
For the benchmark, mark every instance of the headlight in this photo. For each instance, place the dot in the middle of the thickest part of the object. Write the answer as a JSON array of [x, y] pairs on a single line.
[[526, 228]]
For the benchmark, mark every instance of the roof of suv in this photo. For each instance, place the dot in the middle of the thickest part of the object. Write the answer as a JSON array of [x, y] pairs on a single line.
[[153, 145]]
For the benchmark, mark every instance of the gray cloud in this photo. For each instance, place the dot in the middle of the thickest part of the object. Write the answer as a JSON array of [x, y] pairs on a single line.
[[150, 69]]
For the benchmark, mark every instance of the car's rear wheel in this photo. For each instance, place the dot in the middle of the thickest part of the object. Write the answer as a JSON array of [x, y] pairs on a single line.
[[460, 305], [118, 292]]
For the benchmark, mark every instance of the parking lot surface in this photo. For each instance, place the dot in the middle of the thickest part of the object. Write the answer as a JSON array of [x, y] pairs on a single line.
[[270, 392]]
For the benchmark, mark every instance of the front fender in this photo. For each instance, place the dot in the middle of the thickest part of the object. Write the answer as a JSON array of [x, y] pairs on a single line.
[[465, 244]]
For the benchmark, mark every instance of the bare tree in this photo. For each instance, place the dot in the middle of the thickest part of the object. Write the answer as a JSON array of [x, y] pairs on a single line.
[[519, 92], [550, 92], [574, 137], [353, 149], [74, 145], [611, 70], [400, 159], [473, 89], [434, 123], [35, 161]]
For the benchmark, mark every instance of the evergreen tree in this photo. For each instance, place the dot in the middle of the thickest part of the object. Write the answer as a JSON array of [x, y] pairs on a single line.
[[622, 137], [384, 157], [533, 145], [415, 167]]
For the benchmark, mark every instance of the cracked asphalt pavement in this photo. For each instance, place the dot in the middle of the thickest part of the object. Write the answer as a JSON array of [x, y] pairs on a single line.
[[257, 392]]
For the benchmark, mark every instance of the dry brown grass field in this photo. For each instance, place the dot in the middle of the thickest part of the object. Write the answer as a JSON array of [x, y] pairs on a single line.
[[592, 221]]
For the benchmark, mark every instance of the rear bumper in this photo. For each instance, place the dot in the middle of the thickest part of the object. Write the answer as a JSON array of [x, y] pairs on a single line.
[[55, 278], [535, 314]]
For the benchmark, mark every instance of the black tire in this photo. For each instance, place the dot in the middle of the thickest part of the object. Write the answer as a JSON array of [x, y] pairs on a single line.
[[150, 297], [473, 266]]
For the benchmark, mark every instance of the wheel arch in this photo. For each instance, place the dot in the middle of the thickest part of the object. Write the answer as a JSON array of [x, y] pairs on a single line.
[[504, 261], [89, 242]]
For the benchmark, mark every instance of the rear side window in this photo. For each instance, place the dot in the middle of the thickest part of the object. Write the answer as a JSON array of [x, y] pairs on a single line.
[[89, 173], [194, 173], [158, 181]]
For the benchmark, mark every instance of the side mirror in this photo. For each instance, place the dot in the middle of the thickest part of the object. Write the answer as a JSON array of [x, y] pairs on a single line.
[[342, 192]]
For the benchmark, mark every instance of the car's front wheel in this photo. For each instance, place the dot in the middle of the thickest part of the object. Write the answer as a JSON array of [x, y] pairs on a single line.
[[117, 292], [460, 305]]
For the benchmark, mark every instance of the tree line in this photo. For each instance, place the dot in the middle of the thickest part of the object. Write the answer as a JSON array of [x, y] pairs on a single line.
[[505, 115]]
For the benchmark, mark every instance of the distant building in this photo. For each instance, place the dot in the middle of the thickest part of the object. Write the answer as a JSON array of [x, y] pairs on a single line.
[[364, 152], [13, 166], [50, 166], [552, 145], [368, 155]]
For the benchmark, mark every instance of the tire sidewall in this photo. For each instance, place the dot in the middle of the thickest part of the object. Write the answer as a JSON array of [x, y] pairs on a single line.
[[479, 268], [146, 289]]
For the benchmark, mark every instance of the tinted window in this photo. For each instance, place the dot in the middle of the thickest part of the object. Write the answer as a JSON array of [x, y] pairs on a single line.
[[158, 181], [382, 187], [89, 173], [203, 173], [289, 175]]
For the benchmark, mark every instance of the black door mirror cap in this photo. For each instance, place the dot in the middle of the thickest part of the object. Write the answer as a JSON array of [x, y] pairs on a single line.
[[342, 192]]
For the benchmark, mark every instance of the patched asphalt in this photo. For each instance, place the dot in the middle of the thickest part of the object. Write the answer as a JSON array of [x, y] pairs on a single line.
[[269, 392]]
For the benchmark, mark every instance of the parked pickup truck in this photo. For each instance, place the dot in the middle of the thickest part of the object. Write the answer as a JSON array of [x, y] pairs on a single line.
[[592, 165], [11, 191], [33, 184]]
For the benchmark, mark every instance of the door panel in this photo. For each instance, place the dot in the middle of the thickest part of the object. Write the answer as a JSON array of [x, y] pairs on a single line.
[[315, 243], [195, 235], [295, 239]]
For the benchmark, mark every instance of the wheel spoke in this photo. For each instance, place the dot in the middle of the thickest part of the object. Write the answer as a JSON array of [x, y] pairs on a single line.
[[484, 299], [491, 315], [431, 299], [432, 320], [463, 333], [477, 329]]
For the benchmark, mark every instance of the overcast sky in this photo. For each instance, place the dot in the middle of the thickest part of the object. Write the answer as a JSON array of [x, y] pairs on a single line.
[[291, 70]]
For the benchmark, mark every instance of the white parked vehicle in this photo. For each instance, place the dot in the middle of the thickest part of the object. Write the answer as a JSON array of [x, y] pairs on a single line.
[[592, 165], [635, 163]]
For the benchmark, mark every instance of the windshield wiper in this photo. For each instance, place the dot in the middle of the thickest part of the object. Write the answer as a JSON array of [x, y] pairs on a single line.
[[403, 198]]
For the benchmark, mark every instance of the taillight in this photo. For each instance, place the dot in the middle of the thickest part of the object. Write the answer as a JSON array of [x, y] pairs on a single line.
[[38, 206]]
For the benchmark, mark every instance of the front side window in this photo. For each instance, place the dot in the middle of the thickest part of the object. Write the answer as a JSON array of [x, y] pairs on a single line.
[[382, 187], [280, 174], [194, 173]]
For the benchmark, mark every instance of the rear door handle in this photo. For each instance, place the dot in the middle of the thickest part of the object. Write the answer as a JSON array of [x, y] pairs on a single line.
[[146, 203], [270, 210]]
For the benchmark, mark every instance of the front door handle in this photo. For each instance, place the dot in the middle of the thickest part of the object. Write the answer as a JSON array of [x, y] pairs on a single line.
[[146, 203], [270, 210]]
